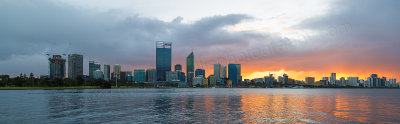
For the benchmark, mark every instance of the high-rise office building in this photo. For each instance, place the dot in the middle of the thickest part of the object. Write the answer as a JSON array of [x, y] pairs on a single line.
[[223, 71], [106, 72], [190, 68], [151, 75], [234, 73], [374, 80], [178, 67], [217, 70], [190, 63], [93, 66], [117, 72], [310, 80], [163, 59], [333, 79], [139, 75], [190, 76], [201, 72], [75, 66], [57, 67]]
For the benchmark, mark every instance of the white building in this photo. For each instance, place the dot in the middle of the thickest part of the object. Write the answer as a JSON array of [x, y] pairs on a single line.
[[197, 81], [223, 71]]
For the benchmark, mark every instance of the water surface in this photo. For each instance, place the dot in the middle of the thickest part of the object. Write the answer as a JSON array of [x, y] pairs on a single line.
[[200, 106]]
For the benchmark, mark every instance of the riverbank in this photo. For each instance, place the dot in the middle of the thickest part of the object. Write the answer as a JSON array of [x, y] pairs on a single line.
[[72, 87]]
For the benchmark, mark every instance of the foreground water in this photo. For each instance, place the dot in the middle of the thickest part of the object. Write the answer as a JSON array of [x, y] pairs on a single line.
[[200, 106]]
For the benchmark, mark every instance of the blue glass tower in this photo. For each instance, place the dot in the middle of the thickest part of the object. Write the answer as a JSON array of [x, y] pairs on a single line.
[[200, 72], [234, 73], [163, 59]]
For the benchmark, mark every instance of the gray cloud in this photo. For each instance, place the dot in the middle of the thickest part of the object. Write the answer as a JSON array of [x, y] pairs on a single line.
[[30, 28]]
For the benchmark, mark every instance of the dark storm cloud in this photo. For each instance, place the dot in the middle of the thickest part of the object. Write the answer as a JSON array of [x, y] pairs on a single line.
[[31, 28]]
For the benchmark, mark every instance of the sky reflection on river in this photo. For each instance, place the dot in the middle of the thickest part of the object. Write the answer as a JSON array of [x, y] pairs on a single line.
[[200, 105]]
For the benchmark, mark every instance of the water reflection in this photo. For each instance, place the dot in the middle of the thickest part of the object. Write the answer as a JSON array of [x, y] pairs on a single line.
[[201, 106]]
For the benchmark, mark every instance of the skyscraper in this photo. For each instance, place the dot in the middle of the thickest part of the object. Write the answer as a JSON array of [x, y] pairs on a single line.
[[106, 72], [333, 79], [223, 71], [178, 67], [190, 63], [190, 68], [234, 73], [117, 71], [57, 67], [93, 66], [139, 75], [75, 66], [151, 75], [163, 59], [201, 72], [190, 76], [217, 70]]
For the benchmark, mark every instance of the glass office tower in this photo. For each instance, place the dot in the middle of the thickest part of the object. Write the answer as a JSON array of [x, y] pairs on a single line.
[[163, 59]]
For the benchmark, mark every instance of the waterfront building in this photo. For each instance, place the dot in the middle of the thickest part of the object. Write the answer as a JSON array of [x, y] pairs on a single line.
[[190, 63], [213, 80], [122, 76], [181, 76], [117, 72], [106, 69], [93, 66], [128, 76], [190, 76], [217, 70], [223, 71], [163, 59], [57, 67], [178, 67], [352, 81], [75, 66], [204, 82], [139, 76], [333, 79], [197, 81], [151, 75], [269, 80], [98, 74], [172, 76], [234, 73], [392, 82], [258, 80], [310, 80], [343, 82], [200, 71], [285, 80], [246, 81]]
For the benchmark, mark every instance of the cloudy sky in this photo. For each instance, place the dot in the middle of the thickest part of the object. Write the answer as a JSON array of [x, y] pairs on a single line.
[[301, 38]]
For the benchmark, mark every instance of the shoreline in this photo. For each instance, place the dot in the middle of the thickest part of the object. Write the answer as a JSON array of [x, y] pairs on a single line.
[[124, 87]]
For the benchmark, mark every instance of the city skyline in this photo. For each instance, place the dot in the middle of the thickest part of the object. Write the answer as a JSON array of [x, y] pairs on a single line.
[[311, 39]]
